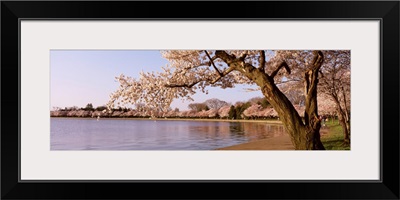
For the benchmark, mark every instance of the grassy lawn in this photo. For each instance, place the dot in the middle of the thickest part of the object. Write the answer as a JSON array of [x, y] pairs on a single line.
[[333, 140]]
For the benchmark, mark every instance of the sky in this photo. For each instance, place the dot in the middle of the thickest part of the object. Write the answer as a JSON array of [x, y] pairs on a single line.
[[79, 77]]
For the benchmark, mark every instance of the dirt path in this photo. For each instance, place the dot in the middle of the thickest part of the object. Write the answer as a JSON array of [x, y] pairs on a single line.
[[275, 143]]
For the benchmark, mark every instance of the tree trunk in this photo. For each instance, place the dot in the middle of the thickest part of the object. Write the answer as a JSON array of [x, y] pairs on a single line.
[[342, 119], [343, 124], [304, 136], [311, 117], [347, 117], [300, 136]]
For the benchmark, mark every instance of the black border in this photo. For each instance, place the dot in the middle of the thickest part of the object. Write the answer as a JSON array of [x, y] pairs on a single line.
[[13, 11]]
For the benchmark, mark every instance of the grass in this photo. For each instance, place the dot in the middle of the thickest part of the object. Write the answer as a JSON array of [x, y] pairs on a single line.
[[333, 140]]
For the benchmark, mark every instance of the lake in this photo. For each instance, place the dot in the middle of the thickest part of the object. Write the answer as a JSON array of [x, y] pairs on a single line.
[[134, 134]]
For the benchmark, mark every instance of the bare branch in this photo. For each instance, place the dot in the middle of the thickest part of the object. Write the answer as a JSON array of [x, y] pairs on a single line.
[[212, 62], [229, 70], [283, 64]]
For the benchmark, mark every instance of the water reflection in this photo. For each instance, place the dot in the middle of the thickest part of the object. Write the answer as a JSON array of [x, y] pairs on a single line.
[[257, 131], [251, 131]]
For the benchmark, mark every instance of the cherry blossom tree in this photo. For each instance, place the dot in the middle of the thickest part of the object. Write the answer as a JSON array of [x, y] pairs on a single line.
[[252, 111], [212, 113], [326, 105], [215, 103], [335, 83], [295, 95], [198, 106], [190, 71], [224, 111], [270, 112], [260, 101]]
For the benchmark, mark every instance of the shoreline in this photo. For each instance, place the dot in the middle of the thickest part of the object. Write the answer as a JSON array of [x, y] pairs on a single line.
[[281, 142], [179, 119]]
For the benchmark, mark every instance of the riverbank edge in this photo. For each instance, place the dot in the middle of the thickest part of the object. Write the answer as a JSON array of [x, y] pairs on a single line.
[[180, 119], [281, 142]]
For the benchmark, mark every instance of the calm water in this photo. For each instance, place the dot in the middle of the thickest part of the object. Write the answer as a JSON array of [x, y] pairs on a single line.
[[123, 134]]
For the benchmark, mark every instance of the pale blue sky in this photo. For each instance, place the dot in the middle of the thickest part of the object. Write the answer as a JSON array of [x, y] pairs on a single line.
[[82, 77]]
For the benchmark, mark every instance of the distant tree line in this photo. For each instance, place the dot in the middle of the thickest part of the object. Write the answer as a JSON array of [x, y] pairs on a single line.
[[254, 108]]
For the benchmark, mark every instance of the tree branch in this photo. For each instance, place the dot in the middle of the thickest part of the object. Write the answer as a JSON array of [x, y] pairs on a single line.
[[311, 75], [224, 56], [283, 64], [212, 62], [318, 59], [182, 85], [311, 82], [185, 69], [243, 57], [262, 60], [226, 72], [287, 81]]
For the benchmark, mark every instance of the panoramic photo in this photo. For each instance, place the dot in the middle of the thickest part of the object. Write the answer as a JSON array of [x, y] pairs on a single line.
[[200, 100]]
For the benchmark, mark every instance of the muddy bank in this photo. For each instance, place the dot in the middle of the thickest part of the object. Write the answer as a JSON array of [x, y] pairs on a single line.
[[281, 142]]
